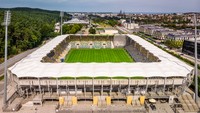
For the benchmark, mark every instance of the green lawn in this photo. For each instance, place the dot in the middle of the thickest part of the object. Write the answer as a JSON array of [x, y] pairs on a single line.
[[98, 55]]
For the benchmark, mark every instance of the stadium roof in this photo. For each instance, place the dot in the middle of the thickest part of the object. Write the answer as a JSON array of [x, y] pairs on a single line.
[[76, 21], [31, 66]]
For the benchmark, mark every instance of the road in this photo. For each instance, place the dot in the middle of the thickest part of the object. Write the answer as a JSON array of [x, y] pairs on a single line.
[[124, 30], [189, 57], [15, 59]]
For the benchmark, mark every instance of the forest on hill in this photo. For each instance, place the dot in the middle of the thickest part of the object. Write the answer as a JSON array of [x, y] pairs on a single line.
[[28, 29]]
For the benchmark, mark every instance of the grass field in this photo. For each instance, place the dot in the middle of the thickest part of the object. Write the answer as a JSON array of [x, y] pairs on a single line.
[[97, 55]]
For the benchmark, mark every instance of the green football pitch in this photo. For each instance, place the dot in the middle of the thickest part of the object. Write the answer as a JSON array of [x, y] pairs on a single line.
[[98, 55]]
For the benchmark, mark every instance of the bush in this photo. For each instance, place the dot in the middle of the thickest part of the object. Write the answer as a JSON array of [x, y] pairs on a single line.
[[92, 31], [71, 29], [174, 43]]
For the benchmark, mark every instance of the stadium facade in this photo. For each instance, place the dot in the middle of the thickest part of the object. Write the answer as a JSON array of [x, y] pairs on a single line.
[[154, 70]]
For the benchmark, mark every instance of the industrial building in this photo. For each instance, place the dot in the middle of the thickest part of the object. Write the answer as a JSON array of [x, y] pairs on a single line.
[[188, 47]]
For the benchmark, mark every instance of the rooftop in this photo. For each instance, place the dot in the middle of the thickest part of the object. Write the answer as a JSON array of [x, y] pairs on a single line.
[[192, 40]]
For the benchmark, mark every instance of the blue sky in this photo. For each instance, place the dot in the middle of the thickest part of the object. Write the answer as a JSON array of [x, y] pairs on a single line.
[[108, 5]]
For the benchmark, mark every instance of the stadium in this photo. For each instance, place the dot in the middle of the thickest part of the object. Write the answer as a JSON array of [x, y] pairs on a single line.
[[81, 67]]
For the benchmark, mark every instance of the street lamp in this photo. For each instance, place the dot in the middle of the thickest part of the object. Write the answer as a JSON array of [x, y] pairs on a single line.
[[7, 19], [61, 15], [195, 52]]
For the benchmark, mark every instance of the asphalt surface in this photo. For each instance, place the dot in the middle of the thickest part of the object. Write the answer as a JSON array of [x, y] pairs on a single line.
[[124, 30], [188, 57], [15, 59]]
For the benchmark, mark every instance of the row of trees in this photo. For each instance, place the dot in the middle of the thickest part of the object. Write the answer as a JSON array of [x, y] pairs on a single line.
[[174, 43], [109, 21], [71, 29], [28, 29]]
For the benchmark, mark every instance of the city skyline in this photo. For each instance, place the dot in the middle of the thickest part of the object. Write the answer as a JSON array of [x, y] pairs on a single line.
[[157, 6]]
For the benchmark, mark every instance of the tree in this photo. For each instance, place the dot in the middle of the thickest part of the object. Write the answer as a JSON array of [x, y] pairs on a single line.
[[28, 29], [45, 30], [174, 43], [66, 28], [112, 22], [72, 29], [92, 31]]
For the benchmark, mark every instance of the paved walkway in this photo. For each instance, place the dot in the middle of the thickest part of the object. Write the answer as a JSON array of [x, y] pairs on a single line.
[[48, 107], [162, 108], [124, 30]]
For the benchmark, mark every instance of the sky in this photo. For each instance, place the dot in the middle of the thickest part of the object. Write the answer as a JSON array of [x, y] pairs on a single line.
[[162, 6]]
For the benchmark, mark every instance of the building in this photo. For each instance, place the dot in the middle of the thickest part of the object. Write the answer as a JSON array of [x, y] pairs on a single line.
[[188, 47], [147, 29], [131, 26], [178, 36], [57, 28], [166, 33], [162, 33]]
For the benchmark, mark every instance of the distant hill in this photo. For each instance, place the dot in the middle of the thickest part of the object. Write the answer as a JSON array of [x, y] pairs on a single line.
[[28, 29], [34, 10], [189, 13]]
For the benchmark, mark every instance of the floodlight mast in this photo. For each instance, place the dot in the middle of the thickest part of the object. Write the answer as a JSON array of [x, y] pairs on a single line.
[[7, 19], [196, 69], [61, 15]]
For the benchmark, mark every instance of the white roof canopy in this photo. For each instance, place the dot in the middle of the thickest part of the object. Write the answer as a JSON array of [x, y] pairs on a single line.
[[31, 66], [76, 21]]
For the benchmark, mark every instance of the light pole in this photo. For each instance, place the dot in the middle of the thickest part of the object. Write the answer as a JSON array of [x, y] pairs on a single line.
[[61, 15], [7, 19], [196, 69]]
